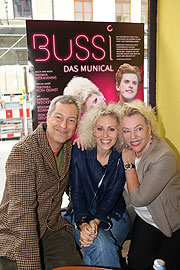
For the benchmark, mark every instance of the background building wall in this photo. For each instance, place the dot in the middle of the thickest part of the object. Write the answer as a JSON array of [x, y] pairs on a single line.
[[136, 16], [168, 71], [104, 11], [42, 10], [64, 10], [13, 29]]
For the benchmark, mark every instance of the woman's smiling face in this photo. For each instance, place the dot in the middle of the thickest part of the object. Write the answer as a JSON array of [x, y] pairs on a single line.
[[106, 132], [136, 133]]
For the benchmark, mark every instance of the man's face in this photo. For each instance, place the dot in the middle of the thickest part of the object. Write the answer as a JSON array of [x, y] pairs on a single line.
[[61, 125], [128, 86]]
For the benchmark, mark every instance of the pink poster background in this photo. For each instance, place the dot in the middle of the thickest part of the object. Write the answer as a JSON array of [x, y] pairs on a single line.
[[60, 50]]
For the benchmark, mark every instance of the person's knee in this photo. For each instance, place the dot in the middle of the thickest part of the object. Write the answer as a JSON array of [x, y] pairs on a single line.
[[103, 252], [5, 264], [105, 243]]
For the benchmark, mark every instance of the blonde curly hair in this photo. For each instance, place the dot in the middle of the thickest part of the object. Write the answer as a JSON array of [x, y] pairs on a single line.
[[146, 111], [89, 120]]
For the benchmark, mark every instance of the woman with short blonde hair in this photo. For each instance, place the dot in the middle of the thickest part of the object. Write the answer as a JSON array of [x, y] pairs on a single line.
[[152, 188]]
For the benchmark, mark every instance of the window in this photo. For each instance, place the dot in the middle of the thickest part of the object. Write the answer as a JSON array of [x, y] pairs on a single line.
[[123, 11], [144, 11], [22, 8], [83, 10]]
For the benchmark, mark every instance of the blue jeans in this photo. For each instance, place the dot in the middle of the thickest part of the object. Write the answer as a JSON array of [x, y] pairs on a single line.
[[104, 252]]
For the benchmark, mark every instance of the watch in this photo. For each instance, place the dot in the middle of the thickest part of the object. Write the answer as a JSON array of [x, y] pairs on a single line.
[[129, 166], [81, 221]]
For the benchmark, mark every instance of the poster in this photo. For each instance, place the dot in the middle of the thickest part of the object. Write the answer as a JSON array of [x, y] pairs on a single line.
[[60, 50]]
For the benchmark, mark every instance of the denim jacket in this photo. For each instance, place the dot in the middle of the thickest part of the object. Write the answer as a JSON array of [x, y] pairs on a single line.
[[85, 174]]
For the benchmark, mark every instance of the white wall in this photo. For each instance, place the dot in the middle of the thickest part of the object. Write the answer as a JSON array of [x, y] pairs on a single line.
[[3, 10], [136, 11], [42, 10], [64, 10], [104, 10]]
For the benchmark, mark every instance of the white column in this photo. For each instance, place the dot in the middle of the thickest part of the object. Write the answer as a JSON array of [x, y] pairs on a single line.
[[104, 10], [25, 122], [42, 11], [64, 10], [136, 11]]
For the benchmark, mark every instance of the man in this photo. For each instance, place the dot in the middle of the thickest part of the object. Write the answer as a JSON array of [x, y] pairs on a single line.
[[128, 79], [33, 234]]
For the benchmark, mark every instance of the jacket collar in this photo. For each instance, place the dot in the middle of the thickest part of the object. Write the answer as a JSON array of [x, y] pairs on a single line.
[[92, 154], [155, 141]]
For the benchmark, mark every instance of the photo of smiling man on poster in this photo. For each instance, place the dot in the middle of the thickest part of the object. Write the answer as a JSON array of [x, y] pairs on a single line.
[[128, 79]]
